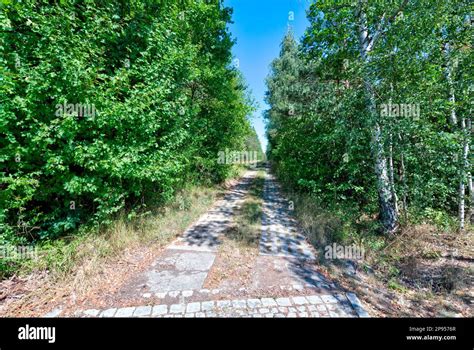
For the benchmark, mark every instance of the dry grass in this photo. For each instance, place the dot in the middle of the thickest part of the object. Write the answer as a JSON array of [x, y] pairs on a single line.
[[92, 265], [425, 270], [239, 249], [320, 226], [426, 273]]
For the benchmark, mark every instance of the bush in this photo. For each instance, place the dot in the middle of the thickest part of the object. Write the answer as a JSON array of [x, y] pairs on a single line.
[[109, 106]]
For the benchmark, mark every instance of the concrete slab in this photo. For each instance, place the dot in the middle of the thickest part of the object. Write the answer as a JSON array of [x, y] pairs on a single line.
[[174, 270]]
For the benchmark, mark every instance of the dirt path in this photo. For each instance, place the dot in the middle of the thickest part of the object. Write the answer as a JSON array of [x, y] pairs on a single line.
[[284, 280]]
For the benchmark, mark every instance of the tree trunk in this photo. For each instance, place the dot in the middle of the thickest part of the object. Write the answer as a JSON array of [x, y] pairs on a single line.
[[452, 97], [469, 174], [392, 177], [471, 198], [388, 213], [463, 164], [405, 187], [462, 178]]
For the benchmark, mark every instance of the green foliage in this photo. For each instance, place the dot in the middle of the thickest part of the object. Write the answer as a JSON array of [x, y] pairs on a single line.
[[439, 218], [318, 124], [252, 144], [165, 99]]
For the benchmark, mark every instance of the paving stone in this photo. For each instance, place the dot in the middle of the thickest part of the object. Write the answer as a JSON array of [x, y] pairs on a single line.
[[125, 312], [207, 305], [343, 314], [328, 299], [314, 299], [283, 309], [54, 313], [237, 308], [159, 310], [356, 304], [329, 305], [193, 307], [240, 312], [253, 303], [109, 312], [177, 308], [176, 270], [283, 301], [240, 304], [321, 307], [299, 300], [224, 304], [268, 302], [92, 312], [142, 311]]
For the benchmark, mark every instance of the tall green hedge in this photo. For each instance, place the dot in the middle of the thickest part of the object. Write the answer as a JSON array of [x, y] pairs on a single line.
[[162, 96]]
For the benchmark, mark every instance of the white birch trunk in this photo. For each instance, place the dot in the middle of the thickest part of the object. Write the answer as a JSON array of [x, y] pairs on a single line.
[[463, 164], [392, 176], [388, 214], [471, 200], [464, 169]]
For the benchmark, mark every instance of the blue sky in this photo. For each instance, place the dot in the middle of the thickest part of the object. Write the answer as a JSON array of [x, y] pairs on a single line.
[[259, 26]]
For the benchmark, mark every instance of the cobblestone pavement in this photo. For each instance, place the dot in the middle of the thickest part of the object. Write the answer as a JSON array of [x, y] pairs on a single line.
[[325, 305], [204, 234], [280, 235], [285, 281], [286, 257]]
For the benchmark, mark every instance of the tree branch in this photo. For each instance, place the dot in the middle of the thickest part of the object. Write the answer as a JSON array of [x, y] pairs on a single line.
[[383, 25]]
